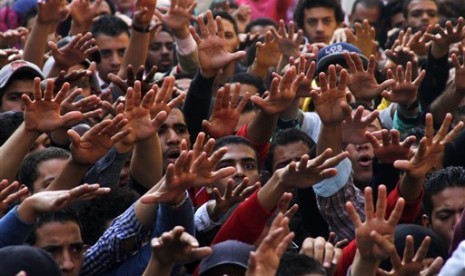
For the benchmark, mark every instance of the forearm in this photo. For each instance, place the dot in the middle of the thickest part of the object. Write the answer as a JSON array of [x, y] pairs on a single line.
[[14, 150], [258, 70], [79, 28], [437, 72], [70, 177], [197, 104], [292, 111], [261, 128], [107, 170], [136, 53], [36, 43], [270, 194], [447, 102], [330, 137], [146, 162], [156, 268], [362, 266], [410, 188], [187, 53], [14, 230]]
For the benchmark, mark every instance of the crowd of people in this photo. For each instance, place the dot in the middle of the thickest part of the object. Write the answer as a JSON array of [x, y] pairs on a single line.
[[232, 137]]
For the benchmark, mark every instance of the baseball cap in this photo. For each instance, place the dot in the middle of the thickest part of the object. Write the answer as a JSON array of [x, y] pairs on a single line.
[[332, 54], [227, 252], [33, 261], [16, 67]]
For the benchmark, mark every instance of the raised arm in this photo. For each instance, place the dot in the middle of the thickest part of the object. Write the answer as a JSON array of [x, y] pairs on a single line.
[[50, 13], [41, 115]]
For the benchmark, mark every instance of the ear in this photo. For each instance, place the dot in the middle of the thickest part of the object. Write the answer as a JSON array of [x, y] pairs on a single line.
[[425, 221]]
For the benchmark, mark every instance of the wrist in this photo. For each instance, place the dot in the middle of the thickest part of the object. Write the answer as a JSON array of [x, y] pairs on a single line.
[[26, 211], [181, 33], [141, 28], [208, 74]]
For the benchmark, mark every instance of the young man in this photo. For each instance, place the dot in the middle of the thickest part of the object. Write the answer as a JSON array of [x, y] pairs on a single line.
[[16, 78], [421, 13], [161, 51], [112, 38], [444, 201], [318, 19]]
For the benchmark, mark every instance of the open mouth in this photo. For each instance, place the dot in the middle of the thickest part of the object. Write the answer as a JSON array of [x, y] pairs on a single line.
[[365, 161], [172, 155]]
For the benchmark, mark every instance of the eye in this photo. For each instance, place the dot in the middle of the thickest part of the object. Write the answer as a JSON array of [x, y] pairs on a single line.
[[169, 46], [250, 165], [156, 47], [52, 249], [77, 248], [14, 96], [105, 53], [181, 130]]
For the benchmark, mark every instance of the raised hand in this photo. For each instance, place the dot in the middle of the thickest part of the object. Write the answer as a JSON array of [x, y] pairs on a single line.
[[178, 177], [243, 16], [429, 153], [137, 112], [10, 193], [43, 113], [330, 102], [52, 11], [355, 126], [288, 44], [362, 83], [176, 246], [226, 111], [401, 51], [213, 55], [88, 106], [72, 78], [207, 164], [231, 196], [364, 38], [163, 101], [146, 82], [265, 260], [144, 11], [306, 173], [281, 94], [49, 201], [459, 74], [80, 48], [308, 69], [95, 143], [323, 252], [375, 227], [178, 17], [444, 38], [83, 12], [391, 149], [11, 37], [404, 91], [412, 262], [268, 53]]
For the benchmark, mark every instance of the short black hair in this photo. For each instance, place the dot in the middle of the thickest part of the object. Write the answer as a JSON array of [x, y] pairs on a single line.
[[61, 216], [286, 137], [235, 140], [247, 78], [9, 122], [261, 21], [28, 170], [407, 2], [369, 3], [226, 16], [303, 5], [109, 25], [298, 264], [440, 180]]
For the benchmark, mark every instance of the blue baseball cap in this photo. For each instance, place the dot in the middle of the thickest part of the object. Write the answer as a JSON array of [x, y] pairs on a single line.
[[332, 54]]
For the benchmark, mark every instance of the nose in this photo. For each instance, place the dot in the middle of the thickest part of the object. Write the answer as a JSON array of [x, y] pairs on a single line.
[[239, 171], [164, 50], [67, 263], [320, 26], [173, 137], [116, 59]]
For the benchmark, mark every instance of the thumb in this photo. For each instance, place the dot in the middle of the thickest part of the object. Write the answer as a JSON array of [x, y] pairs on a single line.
[[237, 55], [72, 116], [53, 46], [74, 137], [206, 126], [159, 119]]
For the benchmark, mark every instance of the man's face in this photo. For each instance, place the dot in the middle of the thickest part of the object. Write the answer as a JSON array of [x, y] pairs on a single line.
[[319, 24], [47, 171], [283, 155], [243, 158], [161, 52], [232, 40], [11, 98], [171, 133], [361, 12], [422, 13], [361, 157], [64, 242], [111, 50], [447, 210]]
